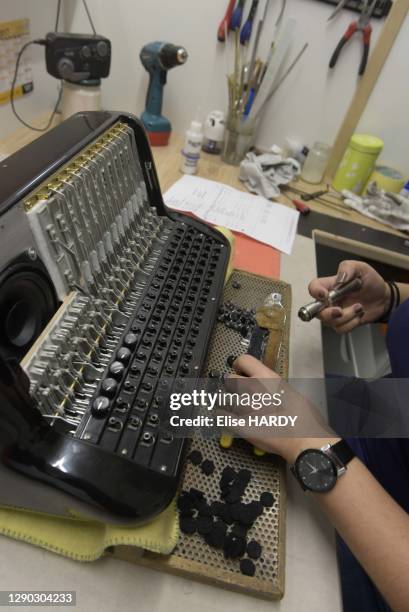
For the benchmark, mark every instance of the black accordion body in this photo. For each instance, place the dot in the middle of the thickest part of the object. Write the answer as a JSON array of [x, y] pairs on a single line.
[[129, 292]]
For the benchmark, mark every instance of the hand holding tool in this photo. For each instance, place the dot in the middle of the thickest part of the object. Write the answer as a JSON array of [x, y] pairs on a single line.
[[311, 310], [225, 22], [362, 25], [246, 30]]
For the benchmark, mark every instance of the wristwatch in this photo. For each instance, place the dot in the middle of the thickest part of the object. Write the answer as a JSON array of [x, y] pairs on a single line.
[[318, 469]]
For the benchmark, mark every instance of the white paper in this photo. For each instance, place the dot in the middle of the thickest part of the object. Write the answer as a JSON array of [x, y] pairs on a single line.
[[219, 204]]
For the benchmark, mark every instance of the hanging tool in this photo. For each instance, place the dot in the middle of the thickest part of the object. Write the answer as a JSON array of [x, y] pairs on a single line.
[[246, 30], [237, 16], [362, 25], [157, 58], [225, 22], [338, 9]]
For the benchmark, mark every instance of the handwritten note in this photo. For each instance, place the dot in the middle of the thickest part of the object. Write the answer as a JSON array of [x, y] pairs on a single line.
[[219, 204]]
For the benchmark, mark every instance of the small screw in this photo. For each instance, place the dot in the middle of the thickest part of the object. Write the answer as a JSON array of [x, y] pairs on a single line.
[[32, 253], [124, 451]]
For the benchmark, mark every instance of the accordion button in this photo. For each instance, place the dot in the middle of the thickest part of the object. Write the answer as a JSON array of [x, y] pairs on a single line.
[[109, 387], [116, 369], [123, 354], [130, 340], [100, 406]]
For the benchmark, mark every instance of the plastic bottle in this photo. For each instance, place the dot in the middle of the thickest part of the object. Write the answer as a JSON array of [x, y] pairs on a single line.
[[191, 148], [316, 163], [405, 190]]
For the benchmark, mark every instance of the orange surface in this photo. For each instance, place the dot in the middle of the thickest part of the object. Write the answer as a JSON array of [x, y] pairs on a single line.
[[256, 257]]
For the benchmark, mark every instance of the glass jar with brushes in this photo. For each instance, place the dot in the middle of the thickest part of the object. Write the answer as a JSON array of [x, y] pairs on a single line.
[[316, 163], [239, 137]]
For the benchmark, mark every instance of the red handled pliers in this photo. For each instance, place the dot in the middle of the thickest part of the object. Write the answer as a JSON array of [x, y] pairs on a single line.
[[362, 25]]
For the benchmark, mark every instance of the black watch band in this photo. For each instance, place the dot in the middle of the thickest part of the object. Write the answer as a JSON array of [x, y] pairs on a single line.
[[342, 451]]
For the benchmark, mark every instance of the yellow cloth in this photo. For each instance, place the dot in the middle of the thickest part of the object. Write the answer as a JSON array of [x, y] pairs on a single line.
[[84, 540]]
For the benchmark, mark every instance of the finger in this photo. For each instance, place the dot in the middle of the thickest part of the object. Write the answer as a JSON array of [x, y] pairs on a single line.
[[347, 327], [349, 314], [319, 287], [347, 270], [330, 315], [250, 366]]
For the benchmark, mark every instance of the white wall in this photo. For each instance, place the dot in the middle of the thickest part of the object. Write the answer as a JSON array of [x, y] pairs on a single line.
[[387, 111], [310, 104], [41, 14]]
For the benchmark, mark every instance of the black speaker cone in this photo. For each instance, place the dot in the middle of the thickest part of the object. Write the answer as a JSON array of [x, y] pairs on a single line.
[[27, 303]]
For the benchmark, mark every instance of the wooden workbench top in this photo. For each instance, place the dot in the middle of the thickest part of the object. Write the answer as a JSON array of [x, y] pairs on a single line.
[[168, 161]]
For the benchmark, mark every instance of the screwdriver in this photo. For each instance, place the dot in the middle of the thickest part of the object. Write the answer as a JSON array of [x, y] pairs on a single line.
[[248, 26], [237, 16], [225, 22], [301, 207]]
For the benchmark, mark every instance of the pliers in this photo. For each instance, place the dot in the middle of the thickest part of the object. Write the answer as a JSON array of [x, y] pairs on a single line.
[[362, 25]]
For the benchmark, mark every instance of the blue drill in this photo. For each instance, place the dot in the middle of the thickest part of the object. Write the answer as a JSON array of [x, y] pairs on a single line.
[[157, 58]]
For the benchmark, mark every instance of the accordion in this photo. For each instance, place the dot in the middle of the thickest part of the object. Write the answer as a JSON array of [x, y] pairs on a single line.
[[129, 291]]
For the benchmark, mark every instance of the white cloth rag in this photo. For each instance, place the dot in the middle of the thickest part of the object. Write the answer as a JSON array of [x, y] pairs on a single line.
[[263, 174], [389, 208]]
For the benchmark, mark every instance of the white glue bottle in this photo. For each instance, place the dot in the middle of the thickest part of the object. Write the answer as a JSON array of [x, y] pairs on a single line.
[[191, 148]]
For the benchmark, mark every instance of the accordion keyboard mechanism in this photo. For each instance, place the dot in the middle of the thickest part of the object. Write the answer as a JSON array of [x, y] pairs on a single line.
[[144, 288]]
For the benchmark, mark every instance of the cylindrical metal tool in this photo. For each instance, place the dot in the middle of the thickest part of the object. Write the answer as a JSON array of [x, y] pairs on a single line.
[[311, 310]]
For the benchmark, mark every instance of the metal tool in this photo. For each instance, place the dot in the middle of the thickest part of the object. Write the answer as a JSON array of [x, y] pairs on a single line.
[[225, 22], [247, 29], [341, 4], [311, 310], [311, 196], [362, 25]]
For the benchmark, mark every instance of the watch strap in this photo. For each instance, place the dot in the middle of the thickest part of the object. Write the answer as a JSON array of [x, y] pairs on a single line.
[[342, 451]]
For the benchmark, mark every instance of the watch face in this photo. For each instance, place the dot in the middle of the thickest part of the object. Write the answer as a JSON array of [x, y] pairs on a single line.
[[316, 471]]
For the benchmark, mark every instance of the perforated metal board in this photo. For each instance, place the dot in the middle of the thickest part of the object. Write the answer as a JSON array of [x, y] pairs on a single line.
[[192, 557]]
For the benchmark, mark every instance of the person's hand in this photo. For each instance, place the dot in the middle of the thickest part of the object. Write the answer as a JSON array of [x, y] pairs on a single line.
[[366, 305], [310, 430]]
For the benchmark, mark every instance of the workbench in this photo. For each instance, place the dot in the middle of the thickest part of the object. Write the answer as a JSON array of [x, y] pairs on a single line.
[[112, 585]]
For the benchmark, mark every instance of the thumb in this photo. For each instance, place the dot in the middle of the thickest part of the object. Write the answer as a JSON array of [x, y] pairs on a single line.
[[347, 270]]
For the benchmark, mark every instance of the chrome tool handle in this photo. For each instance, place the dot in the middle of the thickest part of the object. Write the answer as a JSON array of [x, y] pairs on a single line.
[[311, 310]]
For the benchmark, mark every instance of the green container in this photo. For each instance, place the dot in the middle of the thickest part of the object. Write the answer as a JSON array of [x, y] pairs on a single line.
[[358, 163]]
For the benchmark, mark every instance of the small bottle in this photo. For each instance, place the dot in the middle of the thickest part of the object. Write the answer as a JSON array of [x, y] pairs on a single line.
[[272, 316], [214, 133], [191, 149], [316, 163], [405, 190]]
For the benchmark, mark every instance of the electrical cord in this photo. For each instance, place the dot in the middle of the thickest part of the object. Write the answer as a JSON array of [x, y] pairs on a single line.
[[89, 17], [38, 41], [57, 18], [41, 41]]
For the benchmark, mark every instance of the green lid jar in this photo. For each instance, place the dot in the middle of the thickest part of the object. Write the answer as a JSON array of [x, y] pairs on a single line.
[[358, 163]]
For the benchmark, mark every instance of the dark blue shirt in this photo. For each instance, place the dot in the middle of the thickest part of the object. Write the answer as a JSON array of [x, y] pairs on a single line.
[[388, 460]]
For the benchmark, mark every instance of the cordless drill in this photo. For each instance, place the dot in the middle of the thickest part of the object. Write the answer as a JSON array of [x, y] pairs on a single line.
[[157, 58]]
